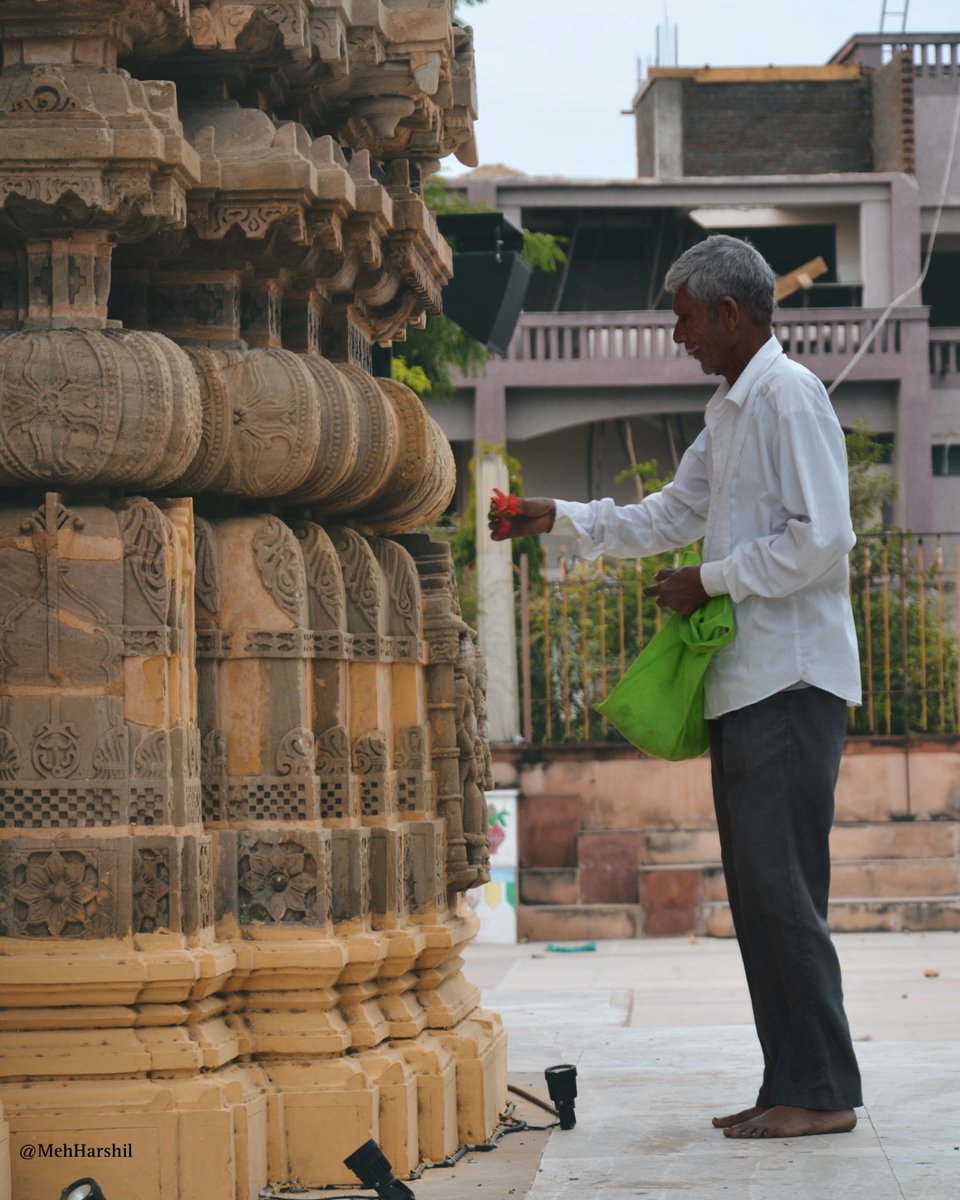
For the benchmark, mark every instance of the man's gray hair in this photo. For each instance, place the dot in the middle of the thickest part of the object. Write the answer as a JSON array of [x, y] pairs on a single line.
[[726, 266]]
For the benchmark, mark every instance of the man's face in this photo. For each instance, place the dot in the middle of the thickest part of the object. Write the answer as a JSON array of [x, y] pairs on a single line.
[[701, 335]]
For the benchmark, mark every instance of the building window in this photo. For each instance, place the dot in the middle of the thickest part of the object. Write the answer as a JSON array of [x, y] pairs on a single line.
[[946, 459]]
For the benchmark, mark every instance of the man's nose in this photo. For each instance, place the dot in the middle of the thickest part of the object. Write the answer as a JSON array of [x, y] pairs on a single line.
[[677, 335]]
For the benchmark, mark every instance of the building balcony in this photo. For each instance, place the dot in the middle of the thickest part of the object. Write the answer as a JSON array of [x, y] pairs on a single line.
[[945, 354], [616, 349]]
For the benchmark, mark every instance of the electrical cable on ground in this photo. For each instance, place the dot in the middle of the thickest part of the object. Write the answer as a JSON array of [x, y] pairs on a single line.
[[934, 229], [508, 1124]]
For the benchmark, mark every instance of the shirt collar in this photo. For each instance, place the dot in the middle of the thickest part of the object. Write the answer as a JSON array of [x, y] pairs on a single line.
[[768, 353]]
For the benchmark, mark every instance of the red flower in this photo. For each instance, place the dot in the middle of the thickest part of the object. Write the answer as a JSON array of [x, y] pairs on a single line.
[[503, 508]]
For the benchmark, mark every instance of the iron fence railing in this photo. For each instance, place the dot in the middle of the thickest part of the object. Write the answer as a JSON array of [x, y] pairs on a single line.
[[581, 624]]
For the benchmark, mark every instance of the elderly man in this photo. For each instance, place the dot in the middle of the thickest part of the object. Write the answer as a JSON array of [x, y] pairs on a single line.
[[765, 486]]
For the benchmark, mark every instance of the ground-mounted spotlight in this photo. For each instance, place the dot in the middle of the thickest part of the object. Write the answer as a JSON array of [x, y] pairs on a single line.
[[562, 1086], [372, 1167], [82, 1189]]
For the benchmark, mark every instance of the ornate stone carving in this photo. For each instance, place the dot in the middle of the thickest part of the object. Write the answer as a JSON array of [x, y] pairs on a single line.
[[362, 582], [410, 762], [146, 543], [45, 90], [402, 588], [370, 767], [404, 502], [205, 882], [333, 773], [10, 755], [56, 750], [60, 894], [324, 577], [377, 449], [280, 565], [336, 458], [151, 890], [278, 883], [295, 753], [83, 406], [207, 575], [275, 433]]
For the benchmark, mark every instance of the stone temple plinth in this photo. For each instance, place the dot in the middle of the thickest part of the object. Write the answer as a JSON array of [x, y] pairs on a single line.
[[242, 751]]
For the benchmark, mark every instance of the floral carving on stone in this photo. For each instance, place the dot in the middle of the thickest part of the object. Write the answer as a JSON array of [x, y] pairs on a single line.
[[151, 891], [60, 892], [278, 883], [110, 755], [53, 422]]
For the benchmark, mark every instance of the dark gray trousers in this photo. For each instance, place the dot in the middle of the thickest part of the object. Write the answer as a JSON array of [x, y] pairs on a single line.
[[774, 767]]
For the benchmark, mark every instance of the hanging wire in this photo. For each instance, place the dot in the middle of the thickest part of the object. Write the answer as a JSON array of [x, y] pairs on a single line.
[[934, 230]]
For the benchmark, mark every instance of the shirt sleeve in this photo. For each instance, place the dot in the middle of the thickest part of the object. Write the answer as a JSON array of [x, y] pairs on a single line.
[[665, 520], [817, 533]]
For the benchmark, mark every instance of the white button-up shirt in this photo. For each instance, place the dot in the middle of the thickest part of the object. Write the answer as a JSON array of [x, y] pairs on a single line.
[[765, 485]]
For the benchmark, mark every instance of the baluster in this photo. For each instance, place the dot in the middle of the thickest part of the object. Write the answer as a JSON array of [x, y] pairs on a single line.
[[941, 637], [868, 634], [602, 590], [565, 641], [922, 616], [885, 611], [582, 572], [547, 657]]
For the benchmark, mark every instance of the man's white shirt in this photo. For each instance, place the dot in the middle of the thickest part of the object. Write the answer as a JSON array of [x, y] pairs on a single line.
[[765, 486]]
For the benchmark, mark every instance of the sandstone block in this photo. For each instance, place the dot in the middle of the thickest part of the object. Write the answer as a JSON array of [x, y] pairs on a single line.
[[608, 866], [577, 923], [549, 885], [547, 830], [671, 900]]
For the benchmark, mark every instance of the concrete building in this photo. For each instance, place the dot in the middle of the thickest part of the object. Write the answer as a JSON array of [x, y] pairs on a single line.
[[844, 163]]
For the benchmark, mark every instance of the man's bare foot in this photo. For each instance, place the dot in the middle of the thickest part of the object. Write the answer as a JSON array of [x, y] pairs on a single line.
[[738, 1118], [783, 1121]]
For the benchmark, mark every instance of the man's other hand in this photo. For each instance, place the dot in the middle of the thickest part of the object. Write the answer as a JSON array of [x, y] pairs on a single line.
[[680, 589], [534, 515]]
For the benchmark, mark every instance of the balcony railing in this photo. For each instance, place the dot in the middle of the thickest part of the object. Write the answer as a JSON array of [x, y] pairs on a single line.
[[933, 54], [610, 345], [944, 351]]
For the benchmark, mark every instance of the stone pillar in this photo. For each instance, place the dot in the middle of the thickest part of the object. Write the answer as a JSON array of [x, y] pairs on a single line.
[[239, 796], [496, 617]]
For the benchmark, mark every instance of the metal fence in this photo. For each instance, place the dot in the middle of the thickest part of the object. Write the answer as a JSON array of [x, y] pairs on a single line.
[[581, 624]]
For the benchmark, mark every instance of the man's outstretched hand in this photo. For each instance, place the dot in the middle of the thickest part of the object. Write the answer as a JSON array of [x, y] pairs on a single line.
[[680, 589], [511, 517]]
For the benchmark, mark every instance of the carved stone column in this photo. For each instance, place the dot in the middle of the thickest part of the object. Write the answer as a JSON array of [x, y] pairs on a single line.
[[240, 747]]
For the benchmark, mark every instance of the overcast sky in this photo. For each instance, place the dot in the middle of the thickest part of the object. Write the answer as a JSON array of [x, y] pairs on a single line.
[[554, 75]]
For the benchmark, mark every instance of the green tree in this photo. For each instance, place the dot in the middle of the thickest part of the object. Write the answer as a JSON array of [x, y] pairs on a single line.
[[442, 345]]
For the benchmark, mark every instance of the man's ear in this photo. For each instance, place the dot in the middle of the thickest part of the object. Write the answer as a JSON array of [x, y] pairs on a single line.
[[729, 312]]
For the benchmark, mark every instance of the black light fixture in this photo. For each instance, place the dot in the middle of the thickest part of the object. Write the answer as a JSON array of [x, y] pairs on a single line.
[[82, 1189], [372, 1167], [562, 1086], [490, 278]]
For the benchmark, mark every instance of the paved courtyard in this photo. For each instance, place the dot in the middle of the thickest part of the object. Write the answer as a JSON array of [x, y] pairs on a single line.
[[661, 1033]]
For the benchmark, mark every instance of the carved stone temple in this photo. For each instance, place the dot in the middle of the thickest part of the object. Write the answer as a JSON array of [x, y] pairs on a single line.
[[242, 752]]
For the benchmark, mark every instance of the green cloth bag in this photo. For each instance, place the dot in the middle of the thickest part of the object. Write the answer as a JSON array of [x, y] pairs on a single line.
[[658, 704]]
